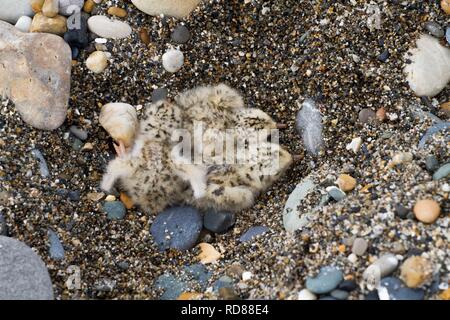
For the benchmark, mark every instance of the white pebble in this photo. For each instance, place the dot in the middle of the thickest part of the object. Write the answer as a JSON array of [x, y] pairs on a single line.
[[97, 61], [173, 60], [355, 145], [247, 275], [305, 294], [24, 23]]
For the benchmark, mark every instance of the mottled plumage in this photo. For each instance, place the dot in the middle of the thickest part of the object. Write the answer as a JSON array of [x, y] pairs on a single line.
[[156, 173]]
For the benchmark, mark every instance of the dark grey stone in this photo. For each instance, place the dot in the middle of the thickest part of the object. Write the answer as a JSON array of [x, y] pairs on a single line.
[[219, 221], [171, 286], [181, 34], [177, 228], [114, 209], [434, 29]]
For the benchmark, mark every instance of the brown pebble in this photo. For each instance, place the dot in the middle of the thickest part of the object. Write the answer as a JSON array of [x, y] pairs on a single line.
[[36, 5], [381, 114], [126, 200], [416, 271], [346, 182], [445, 107], [445, 5], [118, 12], [143, 34], [427, 210], [88, 6], [189, 296]]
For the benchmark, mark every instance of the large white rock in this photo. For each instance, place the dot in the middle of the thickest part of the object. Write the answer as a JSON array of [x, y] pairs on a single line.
[[429, 71], [12, 10], [108, 28], [173, 8]]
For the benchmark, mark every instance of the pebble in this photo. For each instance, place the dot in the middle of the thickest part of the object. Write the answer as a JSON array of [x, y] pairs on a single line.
[[219, 221], [181, 34], [199, 273], [401, 158], [348, 285], [427, 210], [431, 163], [173, 60], [12, 10], [24, 275], [382, 267], [159, 94], [346, 182], [171, 286], [173, 8], [208, 254], [360, 246], [428, 73], [89, 5], [339, 294], [45, 173], [95, 196], [447, 35], [306, 295], [50, 8], [177, 228], [432, 131], [79, 133], [416, 271], [445, 5], [309, 125], [3, 226], [291, 215], [56, 249], [393, 289], [107, 28], [120, 121], [336, 193], [442, 172], [97, 61], [366, 115], [222, 282], [69, 7], [144, 36], [253, 232], [384, 56], [115, 210], [326, 281], [26, 88], [227, 293], [118, 12], [434, 29], [355, 145], [401, 211], [43, 24], [24, 24]]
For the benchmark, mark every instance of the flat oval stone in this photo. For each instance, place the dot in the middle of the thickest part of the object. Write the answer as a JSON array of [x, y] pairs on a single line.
[[442, 172], [177, 228], [434, 29], [3, 226], [253, 232], [326, 281], [23, 275], [107, 28]]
